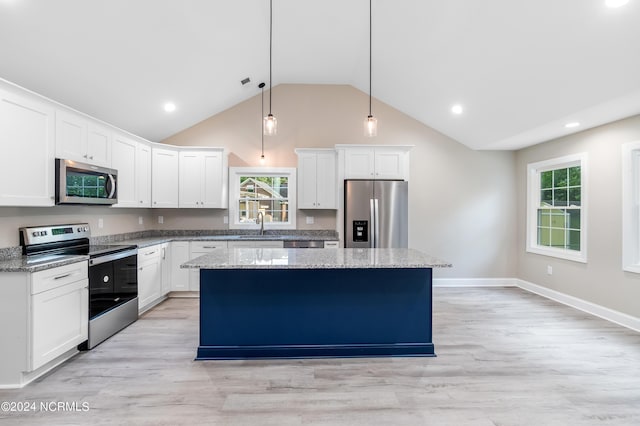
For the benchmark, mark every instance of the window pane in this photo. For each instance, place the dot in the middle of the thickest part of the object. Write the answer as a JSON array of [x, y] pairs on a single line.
[[574, 176], [560, 197], [574, 219], [574, 196], [544, 217], [544, 237], [558, 219], [560, 178], [546, 179], [557, 238], [574, 240], [546, 197]]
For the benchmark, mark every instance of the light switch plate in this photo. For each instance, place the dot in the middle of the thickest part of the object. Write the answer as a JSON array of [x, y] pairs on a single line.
[[100, 223], [160, 219], [225, 219], [310, 220], [140, 220]]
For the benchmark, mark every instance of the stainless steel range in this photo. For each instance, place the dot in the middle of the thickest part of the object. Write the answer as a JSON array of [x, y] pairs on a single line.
[[113, 274]]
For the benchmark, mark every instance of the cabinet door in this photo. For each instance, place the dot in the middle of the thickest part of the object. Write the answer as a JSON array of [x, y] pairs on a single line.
[[166, 268], [164, 178], [179, 276], [60, 319], [359, 164], [326, 197], [212, 179], [143, 175], [307, 181], [124, 152], [26, 126], [149, 281], [190, 179], [389, 164], [98, 145], [71, 137]]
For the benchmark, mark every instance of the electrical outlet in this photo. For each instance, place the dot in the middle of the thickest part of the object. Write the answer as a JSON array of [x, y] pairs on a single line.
[[225, 219], [310, 220], [549, 270], [160, 219], [140, 220], [100, 223]]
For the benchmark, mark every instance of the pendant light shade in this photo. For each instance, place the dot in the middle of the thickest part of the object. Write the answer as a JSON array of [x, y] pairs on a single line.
[[270, 123], [370, 123]]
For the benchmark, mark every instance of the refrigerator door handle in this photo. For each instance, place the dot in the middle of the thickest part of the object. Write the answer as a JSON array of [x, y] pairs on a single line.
[[372, 221], [376, 224]]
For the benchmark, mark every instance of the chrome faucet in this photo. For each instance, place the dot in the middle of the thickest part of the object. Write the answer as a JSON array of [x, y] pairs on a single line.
[[260, 220]]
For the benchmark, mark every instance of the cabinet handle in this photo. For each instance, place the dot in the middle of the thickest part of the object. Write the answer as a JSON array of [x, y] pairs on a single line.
[[150, 253], [62, 276], [91, 157], [84, 156], [164, 252], [209, 246]]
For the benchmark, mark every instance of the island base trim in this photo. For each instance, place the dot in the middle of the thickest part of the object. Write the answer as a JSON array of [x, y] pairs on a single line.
[[315, 351]]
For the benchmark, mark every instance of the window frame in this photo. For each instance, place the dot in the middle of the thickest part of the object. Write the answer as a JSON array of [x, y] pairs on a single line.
[[631, 207], [534, 172], [234, 195]]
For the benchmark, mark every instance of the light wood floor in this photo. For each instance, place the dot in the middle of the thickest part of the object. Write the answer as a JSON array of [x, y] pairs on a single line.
[[505, 357]]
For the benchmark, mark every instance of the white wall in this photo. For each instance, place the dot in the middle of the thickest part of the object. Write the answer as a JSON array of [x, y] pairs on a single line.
[[601, 280], [462, 201]]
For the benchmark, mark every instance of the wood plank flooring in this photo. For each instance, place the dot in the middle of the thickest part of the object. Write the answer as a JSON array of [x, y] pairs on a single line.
[[505, 357]]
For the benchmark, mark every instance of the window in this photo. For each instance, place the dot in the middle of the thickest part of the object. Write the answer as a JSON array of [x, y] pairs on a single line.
[[556, 214], [631, 207], [266, 190]]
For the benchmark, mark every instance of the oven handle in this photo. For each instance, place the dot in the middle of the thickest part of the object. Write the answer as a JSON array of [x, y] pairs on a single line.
[[114, 256]]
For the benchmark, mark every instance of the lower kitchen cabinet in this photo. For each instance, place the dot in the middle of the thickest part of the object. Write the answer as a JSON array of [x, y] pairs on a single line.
[[49, 315], [149, 277], [179, 276]]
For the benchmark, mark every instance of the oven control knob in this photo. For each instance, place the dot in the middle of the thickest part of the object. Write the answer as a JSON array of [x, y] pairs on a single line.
[[35, 234]]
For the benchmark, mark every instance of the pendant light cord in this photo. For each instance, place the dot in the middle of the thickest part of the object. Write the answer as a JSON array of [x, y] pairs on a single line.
[[270, 47], [262, 115], [370, 58]]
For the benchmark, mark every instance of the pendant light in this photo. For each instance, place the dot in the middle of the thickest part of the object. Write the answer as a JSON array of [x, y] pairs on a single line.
[[261, 86], [370, 123], [270, 123]]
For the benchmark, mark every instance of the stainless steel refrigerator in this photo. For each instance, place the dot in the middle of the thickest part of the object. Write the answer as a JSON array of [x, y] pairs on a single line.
[[376, 213]]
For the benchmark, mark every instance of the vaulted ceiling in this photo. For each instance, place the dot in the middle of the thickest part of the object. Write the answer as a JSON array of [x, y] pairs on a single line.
[[521, 70]]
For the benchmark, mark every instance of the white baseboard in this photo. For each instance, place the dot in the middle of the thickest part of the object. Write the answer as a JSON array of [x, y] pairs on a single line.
[[475, 282], [591, 308]]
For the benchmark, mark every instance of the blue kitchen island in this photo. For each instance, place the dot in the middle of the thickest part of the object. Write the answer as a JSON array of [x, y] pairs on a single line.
[[301, 303]]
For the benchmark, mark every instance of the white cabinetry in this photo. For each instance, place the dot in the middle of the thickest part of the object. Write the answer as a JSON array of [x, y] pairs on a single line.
[[48, 316], [197, 249], [203, 182], [80, 139], [165, 255], [27, 132], [317, 179], [132, 160], [380, 162], [164, 176], [149, 276], [179, 276]]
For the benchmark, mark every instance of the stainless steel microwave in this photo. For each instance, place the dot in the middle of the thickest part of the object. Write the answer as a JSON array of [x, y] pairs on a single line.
[[80, 183]]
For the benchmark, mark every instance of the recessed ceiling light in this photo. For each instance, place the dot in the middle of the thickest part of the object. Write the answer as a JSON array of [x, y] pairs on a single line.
[[615, 3], [169, 107], [457, 109], [572, 125]]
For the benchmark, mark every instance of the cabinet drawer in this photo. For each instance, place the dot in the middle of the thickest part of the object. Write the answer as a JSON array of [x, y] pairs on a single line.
[[148, 253], [206, 246], [57, 277]]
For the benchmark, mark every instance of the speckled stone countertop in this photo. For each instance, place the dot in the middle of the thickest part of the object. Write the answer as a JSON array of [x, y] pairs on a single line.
[[275, 258], [21, 264]]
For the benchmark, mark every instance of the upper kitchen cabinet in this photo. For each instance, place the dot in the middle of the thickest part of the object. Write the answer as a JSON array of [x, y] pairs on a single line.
[[80, 139], [27, 130], [132, 160], [165, 176], [203, 178], [317, 179], [375, 162]]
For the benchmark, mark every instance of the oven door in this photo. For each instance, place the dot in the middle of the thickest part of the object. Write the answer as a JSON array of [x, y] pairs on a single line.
[[112, 283], [79, 183]]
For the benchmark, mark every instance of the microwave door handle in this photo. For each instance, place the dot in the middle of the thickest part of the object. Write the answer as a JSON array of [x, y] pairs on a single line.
[[111, 182]]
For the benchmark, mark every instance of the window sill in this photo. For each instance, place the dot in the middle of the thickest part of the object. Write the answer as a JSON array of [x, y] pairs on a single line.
[[631, 268], [580, 257]]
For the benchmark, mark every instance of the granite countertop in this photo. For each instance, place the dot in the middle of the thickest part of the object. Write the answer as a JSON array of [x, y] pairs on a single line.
[[276, 258], [21, 264]]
